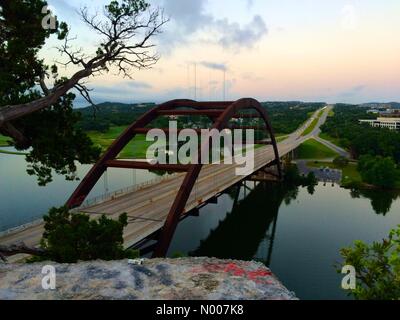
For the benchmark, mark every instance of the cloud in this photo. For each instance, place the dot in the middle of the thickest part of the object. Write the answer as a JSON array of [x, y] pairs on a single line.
[[214, 66], [121, 91], [250, 3], [250, 76], [235, 36], [187, 14], [190, 18], [123, 87]]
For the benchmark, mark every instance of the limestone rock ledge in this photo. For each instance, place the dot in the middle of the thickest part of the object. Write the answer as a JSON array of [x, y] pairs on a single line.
[[154, 279]]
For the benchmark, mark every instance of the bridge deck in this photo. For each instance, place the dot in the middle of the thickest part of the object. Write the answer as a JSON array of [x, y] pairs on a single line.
[[148, 208]]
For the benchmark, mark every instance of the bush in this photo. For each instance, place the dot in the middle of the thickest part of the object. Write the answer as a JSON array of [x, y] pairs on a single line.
[[377, 267], [71, 237], [341, 162], [378, 171]]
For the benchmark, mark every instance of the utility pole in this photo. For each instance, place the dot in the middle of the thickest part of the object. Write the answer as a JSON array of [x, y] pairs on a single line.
[[224, 86], [195, 81], [188, 80]]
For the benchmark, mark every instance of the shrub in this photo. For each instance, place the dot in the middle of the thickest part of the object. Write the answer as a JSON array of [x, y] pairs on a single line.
[[71, 237], [341, 162], [377, 266], [378, 171]]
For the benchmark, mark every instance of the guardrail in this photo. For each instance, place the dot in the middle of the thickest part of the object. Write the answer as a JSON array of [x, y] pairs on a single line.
[[121, 192]]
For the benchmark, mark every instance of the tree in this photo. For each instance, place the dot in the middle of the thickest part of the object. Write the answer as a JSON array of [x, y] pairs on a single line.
[[341, 162], [377, 268], [71, 237], [378, 171], [42, 119], [361, 139]]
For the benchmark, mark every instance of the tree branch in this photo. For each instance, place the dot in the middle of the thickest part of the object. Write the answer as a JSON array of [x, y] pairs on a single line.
[[115, 51], [10, 131], [8, 251]]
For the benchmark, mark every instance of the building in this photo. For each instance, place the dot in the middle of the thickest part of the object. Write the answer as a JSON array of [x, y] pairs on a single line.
[[391, 113], [389, 123]]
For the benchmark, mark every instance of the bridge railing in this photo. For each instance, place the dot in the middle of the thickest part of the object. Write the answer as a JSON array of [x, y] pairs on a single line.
[[122, 192]]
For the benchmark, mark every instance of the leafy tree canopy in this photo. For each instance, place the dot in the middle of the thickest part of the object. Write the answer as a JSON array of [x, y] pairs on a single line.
[[377, 268], [379, 171], [71, 237], [39, 118]]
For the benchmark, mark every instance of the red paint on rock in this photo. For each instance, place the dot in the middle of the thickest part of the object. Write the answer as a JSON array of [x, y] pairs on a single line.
[[257, 276]]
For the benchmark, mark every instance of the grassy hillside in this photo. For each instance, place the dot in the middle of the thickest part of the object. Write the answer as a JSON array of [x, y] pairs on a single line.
[[136, 149], [312, 149]]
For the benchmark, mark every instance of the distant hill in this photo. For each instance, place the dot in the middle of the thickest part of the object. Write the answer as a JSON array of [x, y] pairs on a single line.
[[286, 116], [109, 114], [112, 107], [386, 105]]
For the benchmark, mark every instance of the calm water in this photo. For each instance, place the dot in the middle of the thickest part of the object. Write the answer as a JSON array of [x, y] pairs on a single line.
[[296, 233], [23, 201]]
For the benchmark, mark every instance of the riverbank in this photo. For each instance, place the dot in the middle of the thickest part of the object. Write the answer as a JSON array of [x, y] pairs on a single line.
[[351, 177], [16, 153]]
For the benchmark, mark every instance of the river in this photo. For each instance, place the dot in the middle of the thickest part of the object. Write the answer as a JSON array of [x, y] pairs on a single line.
[[295, 232]]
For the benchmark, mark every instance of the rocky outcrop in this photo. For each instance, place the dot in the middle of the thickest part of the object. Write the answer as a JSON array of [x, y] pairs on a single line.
[[169, 279]]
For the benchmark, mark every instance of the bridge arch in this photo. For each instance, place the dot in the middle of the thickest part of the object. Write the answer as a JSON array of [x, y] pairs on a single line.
[[221, 113]]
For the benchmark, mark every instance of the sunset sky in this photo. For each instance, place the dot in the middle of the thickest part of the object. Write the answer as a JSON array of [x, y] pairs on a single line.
[[310, 50]]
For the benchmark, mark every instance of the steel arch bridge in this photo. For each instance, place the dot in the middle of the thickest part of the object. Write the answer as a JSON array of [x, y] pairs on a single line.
[[220, 113]]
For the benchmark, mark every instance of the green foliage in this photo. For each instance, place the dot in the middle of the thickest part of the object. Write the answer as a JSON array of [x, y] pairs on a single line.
[[287, 117], [377, 266], [310, 128], [313, 149], [21, 38], [378, 171], [51, 135], [126, 7], [109, 114], [71, 237], [58, 144], [359, 139], [341, 162]]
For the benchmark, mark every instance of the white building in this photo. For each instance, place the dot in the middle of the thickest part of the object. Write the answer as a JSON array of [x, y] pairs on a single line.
[[389, 123]]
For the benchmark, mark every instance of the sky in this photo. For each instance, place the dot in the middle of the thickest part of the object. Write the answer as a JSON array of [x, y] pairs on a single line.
[[308, 50]]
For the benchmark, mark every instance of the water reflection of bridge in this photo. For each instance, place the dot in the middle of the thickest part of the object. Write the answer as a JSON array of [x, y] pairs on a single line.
[[249, 230]]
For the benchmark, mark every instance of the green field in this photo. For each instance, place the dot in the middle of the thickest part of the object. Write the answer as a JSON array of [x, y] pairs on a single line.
[[350, 172], [327, 137], [136, 149], [3, 141], [312, 149], [313, 124], [281, 138]]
